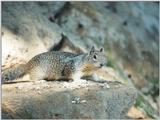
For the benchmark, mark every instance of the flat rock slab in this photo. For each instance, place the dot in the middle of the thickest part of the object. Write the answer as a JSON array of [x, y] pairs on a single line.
[[66, 100]]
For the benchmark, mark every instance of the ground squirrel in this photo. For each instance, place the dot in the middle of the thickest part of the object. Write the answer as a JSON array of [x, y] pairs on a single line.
[[56, 65]]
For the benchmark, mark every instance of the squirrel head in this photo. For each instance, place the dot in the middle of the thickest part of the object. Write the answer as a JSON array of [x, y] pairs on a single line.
[[96, 58]]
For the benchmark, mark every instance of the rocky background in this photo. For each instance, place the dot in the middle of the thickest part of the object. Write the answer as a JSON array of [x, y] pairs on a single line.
[[129, 32]]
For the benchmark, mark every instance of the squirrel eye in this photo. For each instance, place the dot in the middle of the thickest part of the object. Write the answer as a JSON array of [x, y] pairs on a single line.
[[95, 57]]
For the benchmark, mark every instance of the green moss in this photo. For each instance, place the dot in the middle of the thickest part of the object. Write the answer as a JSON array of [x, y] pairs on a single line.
[[148, 109], [151, 79], [110, 63]]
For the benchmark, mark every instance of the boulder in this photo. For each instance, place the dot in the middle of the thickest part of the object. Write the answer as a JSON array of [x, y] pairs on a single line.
[[79, 99]]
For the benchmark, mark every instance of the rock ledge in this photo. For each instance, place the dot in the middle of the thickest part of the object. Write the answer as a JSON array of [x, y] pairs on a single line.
[[66, 100]]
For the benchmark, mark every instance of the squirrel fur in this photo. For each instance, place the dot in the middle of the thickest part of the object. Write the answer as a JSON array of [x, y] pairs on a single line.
[[56, 65]]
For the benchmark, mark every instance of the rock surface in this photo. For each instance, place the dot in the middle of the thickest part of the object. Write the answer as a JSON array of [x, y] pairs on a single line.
[[62, 100], [128, 31]]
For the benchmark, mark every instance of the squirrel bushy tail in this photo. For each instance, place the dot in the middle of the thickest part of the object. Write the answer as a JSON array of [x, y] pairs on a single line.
[[13, 73]]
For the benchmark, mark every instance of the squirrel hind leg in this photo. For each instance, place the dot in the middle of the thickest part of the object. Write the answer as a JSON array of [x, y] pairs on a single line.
[[36, 74]]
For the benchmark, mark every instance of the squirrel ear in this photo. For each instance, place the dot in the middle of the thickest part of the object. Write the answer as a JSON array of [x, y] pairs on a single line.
[[101, 49], [92, 49]]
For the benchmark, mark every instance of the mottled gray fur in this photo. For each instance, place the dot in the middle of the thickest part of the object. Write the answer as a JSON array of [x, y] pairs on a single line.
[[56, 65]]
